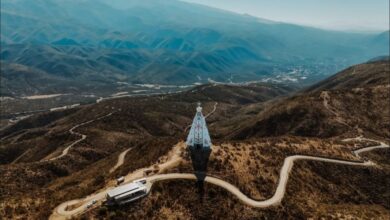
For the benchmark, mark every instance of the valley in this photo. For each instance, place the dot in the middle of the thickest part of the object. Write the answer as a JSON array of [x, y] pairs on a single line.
[[258, 131], [103, 46], [16, 108], [194, 109]]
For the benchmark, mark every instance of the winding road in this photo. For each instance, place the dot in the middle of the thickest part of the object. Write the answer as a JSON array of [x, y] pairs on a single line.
[[82, 137], [61, 211], [121, 160], [122, 156], [212, 112], [284, 175]]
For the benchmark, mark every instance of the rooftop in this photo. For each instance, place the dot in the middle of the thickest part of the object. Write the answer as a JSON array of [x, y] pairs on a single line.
[[125, 188]]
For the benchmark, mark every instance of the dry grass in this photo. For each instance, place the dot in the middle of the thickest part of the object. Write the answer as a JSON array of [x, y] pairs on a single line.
[[151, 126]]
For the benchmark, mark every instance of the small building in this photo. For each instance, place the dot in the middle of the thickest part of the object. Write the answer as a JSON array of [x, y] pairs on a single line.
[[126, 193], [120, 180]]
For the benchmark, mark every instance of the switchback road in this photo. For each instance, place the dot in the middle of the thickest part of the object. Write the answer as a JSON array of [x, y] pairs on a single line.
[[73, 132], [61, 213]]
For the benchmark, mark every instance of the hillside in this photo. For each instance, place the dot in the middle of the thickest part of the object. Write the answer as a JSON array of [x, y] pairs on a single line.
[[50, 43], [149, 116], [352, 101], [148, 125], [371, 74], [65, 155]]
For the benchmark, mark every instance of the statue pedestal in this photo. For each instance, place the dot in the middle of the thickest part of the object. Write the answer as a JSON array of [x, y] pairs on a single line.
[[200, 158]]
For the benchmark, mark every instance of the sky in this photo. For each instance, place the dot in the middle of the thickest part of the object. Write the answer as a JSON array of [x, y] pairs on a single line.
[[348, 15]]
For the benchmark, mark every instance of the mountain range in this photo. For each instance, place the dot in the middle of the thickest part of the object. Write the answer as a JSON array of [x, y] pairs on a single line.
[[71, 46]]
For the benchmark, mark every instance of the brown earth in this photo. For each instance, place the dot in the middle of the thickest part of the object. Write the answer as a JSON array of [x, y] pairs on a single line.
[[253, 129]]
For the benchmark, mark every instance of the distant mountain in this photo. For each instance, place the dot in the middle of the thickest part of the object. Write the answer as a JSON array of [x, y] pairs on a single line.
[[166, 42]]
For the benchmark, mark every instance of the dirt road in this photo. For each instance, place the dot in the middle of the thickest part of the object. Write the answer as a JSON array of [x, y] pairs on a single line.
[[73, 132], [61, 213]]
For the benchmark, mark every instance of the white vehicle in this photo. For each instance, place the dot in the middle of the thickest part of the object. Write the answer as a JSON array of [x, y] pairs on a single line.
[[93, 202]]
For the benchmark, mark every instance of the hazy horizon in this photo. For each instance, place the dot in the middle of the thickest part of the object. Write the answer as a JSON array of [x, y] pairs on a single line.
[[348, 15]]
